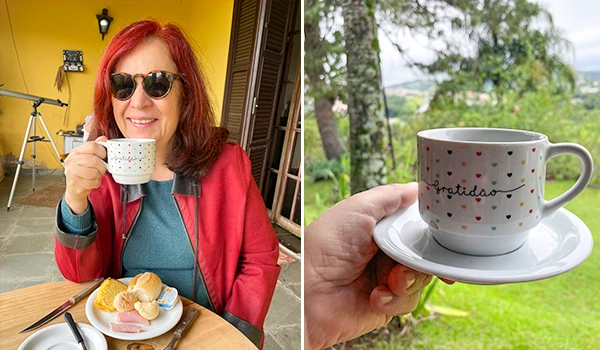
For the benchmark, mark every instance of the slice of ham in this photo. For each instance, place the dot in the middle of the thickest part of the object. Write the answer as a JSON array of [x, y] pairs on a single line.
[[132, 316], [125, 328]]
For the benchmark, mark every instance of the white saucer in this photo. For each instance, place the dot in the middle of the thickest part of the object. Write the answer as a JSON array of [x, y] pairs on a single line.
[[558, 244], [60, 337]]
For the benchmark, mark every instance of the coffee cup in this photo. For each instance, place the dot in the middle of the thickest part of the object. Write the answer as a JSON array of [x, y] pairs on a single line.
[[130, 161], [481, 190]]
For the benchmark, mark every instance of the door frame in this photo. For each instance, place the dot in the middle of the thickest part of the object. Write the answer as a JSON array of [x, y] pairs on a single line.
[[295, 111]]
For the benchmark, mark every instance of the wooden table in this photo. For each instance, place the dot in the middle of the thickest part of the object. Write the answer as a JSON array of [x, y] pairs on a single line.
[[22, 307]]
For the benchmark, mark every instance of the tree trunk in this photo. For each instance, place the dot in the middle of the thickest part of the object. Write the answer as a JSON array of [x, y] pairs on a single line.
[[332, 145], [367, 124], [322, 94]]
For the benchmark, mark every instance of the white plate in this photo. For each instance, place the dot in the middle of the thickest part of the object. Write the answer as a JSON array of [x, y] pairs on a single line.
[[60, 337], [160, 325], [558, 244]]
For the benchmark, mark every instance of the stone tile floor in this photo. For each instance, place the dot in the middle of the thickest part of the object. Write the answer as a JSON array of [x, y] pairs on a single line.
[[27, 258]]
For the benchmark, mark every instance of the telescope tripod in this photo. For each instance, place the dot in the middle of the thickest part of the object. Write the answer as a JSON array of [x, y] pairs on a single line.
[[33, 139]]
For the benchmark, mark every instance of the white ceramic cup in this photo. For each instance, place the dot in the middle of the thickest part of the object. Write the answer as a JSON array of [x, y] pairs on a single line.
[[130, 161], [482, 190]]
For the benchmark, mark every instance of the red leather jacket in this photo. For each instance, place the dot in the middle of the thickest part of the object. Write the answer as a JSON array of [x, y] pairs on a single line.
[[237, 246]]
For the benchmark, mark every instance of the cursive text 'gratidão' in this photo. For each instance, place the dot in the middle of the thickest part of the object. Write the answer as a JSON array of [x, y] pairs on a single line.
[[460, 190]]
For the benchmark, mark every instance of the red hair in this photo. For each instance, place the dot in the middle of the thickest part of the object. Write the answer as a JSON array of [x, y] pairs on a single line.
[[197, 142]]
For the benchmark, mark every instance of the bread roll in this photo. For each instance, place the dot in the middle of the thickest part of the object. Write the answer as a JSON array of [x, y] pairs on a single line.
[[125, 301], [148, 311], [146, 287]]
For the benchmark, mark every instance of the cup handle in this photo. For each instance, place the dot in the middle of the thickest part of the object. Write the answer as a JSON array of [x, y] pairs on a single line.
[[587, 169], [105, 144]]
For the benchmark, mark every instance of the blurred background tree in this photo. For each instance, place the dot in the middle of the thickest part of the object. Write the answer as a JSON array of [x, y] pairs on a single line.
[[365, 109], [324, 71]]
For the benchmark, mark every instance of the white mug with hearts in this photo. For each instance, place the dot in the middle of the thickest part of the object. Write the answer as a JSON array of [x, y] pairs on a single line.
[[481, 190], [130, 161]]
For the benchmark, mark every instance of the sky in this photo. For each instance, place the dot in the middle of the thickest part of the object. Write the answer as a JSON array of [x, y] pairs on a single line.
[[579, 21]]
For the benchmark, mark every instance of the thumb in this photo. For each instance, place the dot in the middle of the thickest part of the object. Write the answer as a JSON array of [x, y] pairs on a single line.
[[102, 139], [381, 201]]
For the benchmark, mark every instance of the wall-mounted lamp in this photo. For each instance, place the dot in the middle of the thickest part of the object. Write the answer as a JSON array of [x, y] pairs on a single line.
[[104, 22]]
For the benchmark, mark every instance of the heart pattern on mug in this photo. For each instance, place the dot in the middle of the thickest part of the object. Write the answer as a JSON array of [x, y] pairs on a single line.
[[477, 176]]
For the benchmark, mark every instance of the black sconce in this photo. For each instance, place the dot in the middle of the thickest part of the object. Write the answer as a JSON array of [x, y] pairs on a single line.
[[104, 22]]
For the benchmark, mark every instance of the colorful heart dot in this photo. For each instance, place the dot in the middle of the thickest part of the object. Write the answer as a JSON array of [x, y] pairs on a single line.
[[493, 228], [464, 163], [520, 224], [494, 183], [478, 175], [437, 175], [463, 227], [478, 200], [478, 218], [508, 216], [532, 171], [427, 207], [427, 148], [510, 153], [494, 207], [437, 200], [464, 206], [522, 180], [463, 181], [533, 150], [449, 152], [522, 162], [478, 154], [494, 164], [531, 190], [437, 220], [530, 211], [437, 160], [522, 203]]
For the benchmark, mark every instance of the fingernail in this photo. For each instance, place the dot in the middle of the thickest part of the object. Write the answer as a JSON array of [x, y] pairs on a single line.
[[386, 297], [410, 278]]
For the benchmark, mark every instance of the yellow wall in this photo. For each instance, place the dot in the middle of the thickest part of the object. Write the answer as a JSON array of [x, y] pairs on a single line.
[[43, 28]]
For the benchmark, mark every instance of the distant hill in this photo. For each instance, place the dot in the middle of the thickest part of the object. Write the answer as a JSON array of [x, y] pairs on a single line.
[[589, 75], [419, 85]]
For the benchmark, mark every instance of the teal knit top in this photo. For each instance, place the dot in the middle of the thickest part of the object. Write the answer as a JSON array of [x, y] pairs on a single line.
[[158, 242]]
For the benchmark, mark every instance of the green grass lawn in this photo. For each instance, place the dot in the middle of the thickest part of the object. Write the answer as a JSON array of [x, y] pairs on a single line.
[[557, 313]]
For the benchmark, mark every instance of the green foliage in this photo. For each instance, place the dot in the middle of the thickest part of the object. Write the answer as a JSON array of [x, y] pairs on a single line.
[[517, 48], [402, 107], [323, 170], [590, 101], [313, 148], [542, 111], [324, 63]]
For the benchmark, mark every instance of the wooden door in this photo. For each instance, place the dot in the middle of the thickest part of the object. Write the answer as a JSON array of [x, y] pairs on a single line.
[[257, 53]]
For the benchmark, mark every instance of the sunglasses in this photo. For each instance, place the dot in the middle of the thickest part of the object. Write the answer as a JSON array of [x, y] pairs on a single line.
[[157, 84]]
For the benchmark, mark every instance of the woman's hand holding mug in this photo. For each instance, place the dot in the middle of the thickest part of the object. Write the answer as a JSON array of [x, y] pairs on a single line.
[[83, 169]]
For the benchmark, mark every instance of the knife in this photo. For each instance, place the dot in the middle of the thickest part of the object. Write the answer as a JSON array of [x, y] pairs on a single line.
[[59, 310], [75, 331], [189, 317]]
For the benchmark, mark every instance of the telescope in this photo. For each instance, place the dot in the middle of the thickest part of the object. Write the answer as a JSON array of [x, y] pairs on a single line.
[[39, 100]]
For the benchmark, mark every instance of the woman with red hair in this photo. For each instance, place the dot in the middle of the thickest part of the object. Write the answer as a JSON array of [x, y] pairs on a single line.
[[200, 223]]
